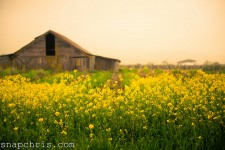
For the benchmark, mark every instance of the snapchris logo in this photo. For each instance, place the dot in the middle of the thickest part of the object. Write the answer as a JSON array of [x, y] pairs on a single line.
[[36, 145]]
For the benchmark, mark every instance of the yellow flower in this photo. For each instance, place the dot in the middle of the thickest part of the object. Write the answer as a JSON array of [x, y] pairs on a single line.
[[55, 122], [169, 104], [11, 105], [145, 127], [41, 119], [91, 126], [93, 115], [64, 132], [216, 117], [60, 122], [16, 128], [13, 111], [57, 113], [108, 130]]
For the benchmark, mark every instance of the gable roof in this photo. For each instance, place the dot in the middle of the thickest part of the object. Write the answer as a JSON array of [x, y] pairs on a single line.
[[107, 58], [62, 37]]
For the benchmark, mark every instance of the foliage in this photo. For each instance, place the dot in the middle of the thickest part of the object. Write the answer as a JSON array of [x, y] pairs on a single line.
[[185, 110], [8, 71]]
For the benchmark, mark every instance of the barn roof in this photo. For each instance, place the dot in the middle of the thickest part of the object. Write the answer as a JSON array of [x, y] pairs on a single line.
[[62, 37], [107, 58], [6, 55]]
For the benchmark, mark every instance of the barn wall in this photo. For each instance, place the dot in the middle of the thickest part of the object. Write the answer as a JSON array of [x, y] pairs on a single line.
[[92, 63], [70, 57], [31, 56], [116, 66], [102, 63], [36, 48], [5, 62]]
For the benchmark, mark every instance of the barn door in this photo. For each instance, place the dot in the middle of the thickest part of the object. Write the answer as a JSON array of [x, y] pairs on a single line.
[[50, 62], [80, 64]]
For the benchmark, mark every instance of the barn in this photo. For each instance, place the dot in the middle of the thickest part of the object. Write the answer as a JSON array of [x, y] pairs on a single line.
[[53, 51]]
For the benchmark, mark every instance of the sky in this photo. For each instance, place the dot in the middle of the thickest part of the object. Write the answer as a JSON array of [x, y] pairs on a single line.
[[134, 31]]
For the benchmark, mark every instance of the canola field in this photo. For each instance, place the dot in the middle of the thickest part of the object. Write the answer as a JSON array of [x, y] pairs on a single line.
[[182, 110]]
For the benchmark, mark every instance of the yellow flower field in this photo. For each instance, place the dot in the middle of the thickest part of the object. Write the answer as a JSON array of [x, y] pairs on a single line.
[[164, 111]]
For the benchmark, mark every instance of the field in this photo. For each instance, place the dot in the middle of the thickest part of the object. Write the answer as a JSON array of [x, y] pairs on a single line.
[[154, 109]]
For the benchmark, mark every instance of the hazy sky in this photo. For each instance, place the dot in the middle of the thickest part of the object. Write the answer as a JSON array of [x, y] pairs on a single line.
[[134, 31]]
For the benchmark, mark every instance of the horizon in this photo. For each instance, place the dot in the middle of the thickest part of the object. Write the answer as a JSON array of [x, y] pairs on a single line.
[[207, 62], [138, 31]]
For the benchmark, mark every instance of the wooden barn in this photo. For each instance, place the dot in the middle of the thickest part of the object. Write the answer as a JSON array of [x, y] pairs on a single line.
[[54, 51]]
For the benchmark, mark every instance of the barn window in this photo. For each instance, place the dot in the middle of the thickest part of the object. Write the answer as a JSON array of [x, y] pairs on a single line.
[[50, 44]]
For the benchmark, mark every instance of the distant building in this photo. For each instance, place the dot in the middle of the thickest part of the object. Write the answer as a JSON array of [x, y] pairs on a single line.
[[54, 51], [186, 62]]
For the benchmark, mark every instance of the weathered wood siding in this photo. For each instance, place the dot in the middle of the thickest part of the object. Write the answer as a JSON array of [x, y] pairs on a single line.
[[5, 62], [102, 63], [66, 57]]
